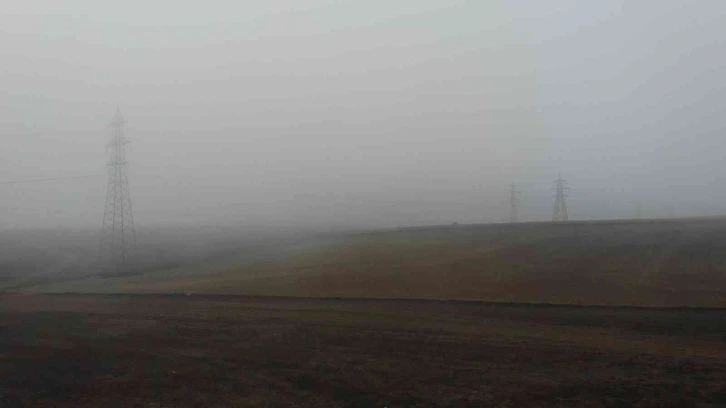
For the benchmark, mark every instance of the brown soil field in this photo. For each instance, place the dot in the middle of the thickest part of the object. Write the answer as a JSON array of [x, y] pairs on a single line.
[[233, 351], [660, 263]]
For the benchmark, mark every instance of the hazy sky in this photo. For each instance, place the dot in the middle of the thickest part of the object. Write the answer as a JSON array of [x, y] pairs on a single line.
[[364, 113]]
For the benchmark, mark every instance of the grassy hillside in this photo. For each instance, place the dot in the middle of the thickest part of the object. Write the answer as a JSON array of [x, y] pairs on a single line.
[[654, 263]]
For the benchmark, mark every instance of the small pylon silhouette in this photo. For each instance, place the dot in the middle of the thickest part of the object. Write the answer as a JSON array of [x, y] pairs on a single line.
[[559, 214], [118, 239], [513, 201]]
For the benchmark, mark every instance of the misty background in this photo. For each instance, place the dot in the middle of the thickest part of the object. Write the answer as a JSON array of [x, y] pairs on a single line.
[[363, 114]]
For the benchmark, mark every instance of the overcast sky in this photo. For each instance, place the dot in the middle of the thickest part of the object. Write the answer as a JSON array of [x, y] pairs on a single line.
[[376, 113]]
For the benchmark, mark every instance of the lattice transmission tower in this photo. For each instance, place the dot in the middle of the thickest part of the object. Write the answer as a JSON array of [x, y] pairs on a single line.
[[118, 238], [513, 202], [559, 214]]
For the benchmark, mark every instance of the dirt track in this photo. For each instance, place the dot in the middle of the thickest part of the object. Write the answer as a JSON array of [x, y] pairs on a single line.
[[195, 351]]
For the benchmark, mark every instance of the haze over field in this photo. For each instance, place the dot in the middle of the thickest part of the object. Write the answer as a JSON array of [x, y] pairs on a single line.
[[350, 203], [373, 114]]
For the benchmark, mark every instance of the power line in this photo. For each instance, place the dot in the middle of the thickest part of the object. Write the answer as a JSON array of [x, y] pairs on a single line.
[[52, 179], [559, 213], [513, 201], [118, 240]]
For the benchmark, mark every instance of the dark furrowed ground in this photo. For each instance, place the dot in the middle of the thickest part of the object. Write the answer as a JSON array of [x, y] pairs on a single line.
[[216, 351]]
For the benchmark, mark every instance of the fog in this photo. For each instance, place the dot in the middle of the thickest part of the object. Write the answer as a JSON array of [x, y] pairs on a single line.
[[363, 114]]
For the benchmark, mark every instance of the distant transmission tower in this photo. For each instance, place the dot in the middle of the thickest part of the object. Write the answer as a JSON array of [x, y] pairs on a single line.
[[513, 201], [559, 214], [118, 239]]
